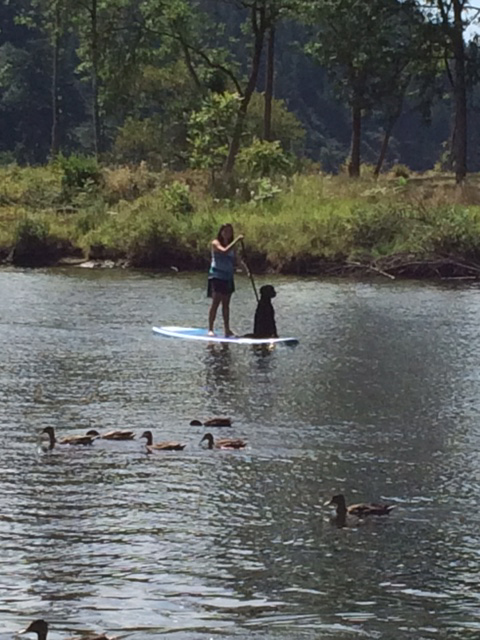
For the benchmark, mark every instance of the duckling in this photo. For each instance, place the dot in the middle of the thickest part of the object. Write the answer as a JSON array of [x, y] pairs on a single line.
[[223, 443], [360, 510], [161, 446], [40, 627], [74, 440], [120, 434]]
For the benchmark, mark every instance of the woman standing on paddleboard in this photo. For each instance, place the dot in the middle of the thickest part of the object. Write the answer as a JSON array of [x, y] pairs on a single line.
[[220, 276]]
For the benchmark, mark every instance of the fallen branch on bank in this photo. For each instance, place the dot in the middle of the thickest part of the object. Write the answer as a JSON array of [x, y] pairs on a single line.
[[402, 266]]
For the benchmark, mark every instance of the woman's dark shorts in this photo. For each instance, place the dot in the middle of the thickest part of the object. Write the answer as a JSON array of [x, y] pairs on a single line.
[[223, 287]]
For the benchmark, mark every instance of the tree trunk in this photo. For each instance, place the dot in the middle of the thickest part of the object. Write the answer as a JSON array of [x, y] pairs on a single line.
[[460, 96], [54, 142], [383, 150], [267, 120], [95, 106], [354, 164], [386, 138], [259, 28]]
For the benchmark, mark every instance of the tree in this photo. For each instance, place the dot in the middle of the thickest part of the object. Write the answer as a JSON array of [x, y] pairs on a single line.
[[360, 43], [109, 38], [277, 10], [50, 18], [414, 76], [455, 16]]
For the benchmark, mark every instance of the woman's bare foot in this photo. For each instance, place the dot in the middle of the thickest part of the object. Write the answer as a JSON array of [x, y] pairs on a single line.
[[230, 334]]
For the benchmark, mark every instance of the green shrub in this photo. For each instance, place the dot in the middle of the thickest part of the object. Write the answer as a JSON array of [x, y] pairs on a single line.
[[31, 242], [377, 226], [263, 190], [7, 158], [141, 140], [128, 183], [262, 159], [400, 171], [210, 130], [79, 171], [176, 197], [455, 231]]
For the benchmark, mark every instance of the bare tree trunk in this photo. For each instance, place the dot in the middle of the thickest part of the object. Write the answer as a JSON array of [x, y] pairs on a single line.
[[267, 122], [460, 96], [354, 164], [386, 138], [383, 150], [259, 28], [54, 141], [95, 106]]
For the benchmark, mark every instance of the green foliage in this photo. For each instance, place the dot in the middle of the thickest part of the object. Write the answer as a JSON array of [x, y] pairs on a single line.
[[263, 158], [139, 140], [312, 218], [264, 190], [286, 126], [377, 226], [128, 183], [455, 231], [210, 129], [36, 187], [7, 158], [78, 171], [176, 198], [32, 245], [400, 171]]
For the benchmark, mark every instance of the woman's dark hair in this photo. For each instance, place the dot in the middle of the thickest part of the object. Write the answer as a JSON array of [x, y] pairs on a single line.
[[228, 225]]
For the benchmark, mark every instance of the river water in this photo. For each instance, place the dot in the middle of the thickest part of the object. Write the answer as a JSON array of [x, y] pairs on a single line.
[[380, 400]]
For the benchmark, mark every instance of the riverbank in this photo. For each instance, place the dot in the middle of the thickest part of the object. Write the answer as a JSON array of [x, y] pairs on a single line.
[[402, 225]]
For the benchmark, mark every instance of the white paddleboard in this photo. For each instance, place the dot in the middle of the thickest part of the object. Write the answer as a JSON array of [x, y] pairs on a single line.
[[191, 333]]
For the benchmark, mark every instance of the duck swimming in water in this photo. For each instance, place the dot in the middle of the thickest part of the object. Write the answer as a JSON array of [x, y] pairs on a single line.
[[40, 627], [360, 510], [161, 446], [219, 421], [223, 443], [72, 440], [120, 434]]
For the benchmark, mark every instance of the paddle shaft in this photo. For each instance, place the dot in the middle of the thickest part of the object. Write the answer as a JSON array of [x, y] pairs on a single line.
[[245, 262]]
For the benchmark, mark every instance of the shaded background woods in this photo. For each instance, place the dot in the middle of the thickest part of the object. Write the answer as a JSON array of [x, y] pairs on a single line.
[[184, 83]]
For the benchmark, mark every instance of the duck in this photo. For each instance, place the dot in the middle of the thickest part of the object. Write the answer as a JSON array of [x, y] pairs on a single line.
[[220, 421], [120, 434], [359, 510], [72, 440], [161, 446], [40, 627], [223, 443]]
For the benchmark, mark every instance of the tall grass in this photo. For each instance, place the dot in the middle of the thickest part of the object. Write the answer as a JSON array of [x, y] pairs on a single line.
[[159, 220]]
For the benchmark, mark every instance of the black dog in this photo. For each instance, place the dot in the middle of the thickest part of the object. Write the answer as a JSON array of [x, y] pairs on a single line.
[[264, 325]]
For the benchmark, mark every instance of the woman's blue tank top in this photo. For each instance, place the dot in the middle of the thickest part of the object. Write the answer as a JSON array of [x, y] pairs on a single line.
[[222, 265]]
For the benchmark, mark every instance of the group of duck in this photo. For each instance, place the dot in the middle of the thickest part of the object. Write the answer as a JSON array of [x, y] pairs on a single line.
[[345, 515], [91, 435]]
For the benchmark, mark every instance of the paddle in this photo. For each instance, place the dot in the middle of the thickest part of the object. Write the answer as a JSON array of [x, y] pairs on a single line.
[[245, 262]]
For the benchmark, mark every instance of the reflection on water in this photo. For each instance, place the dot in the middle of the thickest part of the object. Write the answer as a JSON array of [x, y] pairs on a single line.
[[379, 401]]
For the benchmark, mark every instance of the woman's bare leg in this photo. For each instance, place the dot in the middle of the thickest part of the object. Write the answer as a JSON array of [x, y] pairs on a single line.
[[226, 315], [212, 314]]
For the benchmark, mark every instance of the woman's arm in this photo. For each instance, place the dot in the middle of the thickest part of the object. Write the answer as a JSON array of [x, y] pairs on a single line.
[[219, 247]]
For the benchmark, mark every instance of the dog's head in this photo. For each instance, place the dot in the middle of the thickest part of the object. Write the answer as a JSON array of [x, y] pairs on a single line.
[[267, 292]]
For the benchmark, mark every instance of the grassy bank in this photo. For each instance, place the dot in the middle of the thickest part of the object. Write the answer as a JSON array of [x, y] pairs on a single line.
[[402, 225]]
